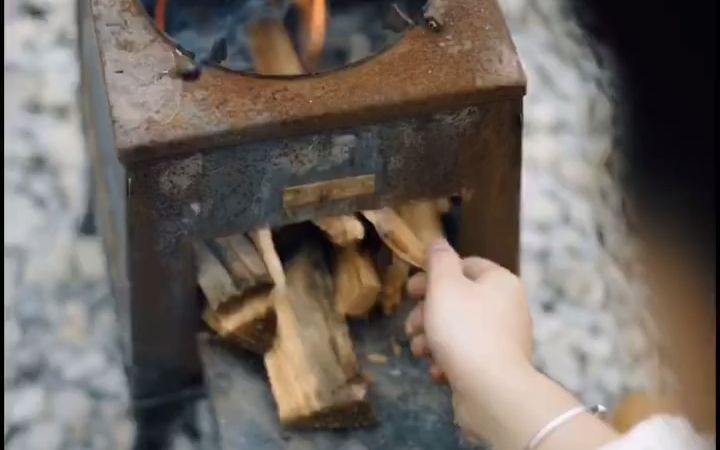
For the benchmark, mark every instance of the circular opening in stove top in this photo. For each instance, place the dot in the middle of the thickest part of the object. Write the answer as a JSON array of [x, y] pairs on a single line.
[[283, 37]]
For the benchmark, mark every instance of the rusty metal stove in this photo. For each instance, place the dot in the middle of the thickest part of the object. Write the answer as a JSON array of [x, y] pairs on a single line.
[[438, 114]]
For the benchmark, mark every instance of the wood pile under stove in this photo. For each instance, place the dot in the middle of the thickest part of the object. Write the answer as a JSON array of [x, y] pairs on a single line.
[[294, 314], [262, 203]]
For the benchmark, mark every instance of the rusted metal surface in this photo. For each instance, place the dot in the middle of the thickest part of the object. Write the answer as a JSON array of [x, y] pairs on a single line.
[[226, 191], [490, 168], [472, 60]]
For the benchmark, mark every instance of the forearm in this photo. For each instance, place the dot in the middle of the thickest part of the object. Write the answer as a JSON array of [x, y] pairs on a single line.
[[517, 406]]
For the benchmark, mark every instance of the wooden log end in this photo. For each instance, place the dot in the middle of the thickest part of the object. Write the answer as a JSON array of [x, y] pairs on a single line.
[[249, 322], [351, 409]]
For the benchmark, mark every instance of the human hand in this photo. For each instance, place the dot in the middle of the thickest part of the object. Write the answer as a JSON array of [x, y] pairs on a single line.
[[474, 324]]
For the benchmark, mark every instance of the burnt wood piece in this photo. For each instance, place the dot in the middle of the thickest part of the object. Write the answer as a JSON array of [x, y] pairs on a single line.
[[357, 284], [312, 368], [249, 322]]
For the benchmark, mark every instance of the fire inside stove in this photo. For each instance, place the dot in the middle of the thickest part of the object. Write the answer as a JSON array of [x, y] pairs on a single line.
[[324, 34]]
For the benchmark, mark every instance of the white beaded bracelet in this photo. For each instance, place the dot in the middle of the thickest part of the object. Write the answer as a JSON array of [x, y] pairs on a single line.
[[561, 419]]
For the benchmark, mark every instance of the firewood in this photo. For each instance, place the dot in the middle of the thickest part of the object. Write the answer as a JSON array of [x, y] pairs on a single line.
[[397, 235], [242, 260], [243, 316], [312, 29], [272, 50], [312, 368], [357, 284], [443, 205], [342, 230], [262, 237], [423, 218], [377, 358], [249, 322], [393, 283], [212, 277]]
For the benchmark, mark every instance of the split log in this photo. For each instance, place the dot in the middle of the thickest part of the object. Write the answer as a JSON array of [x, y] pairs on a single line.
[[342, 230], [312, 368], [423, 218], [357, 284], [212, 277], [243, 316], [249, 322], [398, 236], [262, 237], [415, 226], [242, 261], [396, 275], [272, 50]]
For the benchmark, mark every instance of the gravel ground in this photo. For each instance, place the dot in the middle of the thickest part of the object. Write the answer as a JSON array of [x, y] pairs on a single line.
[[63, 380]]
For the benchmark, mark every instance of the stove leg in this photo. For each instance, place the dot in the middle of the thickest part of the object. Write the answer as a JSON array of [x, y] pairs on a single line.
[[163, 318], [490, 215], [157, 424]]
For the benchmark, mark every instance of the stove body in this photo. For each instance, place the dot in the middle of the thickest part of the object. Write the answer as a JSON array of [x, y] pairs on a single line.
[[438, 114]]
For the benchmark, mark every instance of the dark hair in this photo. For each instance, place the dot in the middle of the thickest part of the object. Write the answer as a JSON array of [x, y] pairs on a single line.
[[661, 55]]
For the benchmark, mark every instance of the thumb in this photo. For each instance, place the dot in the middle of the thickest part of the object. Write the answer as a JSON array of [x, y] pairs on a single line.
[[445, 266]]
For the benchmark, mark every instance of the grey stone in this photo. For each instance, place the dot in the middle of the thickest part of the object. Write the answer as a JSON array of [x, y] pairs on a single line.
[[87, 364], [71, 406], [43, 435], [24, 404], [89, 258]]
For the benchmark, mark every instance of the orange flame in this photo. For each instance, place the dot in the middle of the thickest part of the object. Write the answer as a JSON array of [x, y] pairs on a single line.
[[313, 26]]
